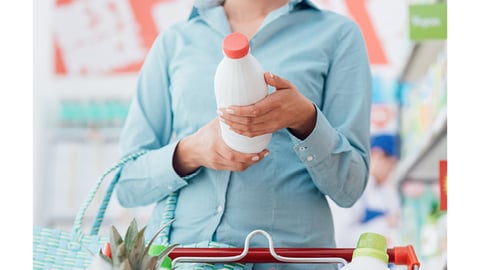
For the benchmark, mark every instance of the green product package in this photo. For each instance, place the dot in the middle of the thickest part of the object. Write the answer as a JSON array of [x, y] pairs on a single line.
[[155, 250]]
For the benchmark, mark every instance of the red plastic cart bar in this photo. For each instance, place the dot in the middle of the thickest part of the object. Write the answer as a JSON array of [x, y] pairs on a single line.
[[397, 255]]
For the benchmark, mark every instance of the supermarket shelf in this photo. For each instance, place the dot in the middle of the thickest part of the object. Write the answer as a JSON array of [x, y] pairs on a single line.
[[86, 134], [422, 164], [421, 56], [435, 263]]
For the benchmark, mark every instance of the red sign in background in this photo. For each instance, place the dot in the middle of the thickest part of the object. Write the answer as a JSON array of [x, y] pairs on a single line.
[[114, 34], [359, 12], [443, 184]]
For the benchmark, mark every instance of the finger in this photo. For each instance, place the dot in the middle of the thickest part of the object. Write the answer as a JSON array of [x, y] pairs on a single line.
[[251, 130], [250, 126], [255, 110], [244, 124], [233, 157], [248, 158], [276, 81], [237, 121]]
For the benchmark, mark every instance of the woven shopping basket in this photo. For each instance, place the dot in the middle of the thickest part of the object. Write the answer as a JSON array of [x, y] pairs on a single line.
[[57, 249]]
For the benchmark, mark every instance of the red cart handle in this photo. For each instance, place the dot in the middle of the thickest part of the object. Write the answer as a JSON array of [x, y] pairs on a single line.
[[398, 255], [404, 256]]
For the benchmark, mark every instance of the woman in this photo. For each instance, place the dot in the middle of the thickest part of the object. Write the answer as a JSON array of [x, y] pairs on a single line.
[[318, 111]]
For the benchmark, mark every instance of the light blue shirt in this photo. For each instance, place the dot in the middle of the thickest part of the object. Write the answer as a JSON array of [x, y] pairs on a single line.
[[323, 54]]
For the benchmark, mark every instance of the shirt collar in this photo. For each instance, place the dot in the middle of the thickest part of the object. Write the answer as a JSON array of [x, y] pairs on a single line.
[[207, 4]]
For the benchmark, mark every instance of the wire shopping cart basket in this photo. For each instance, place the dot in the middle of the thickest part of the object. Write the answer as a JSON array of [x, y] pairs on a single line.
[[402, 255]]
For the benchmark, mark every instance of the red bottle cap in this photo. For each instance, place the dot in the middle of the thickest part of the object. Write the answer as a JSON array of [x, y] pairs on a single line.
[[236, 45]]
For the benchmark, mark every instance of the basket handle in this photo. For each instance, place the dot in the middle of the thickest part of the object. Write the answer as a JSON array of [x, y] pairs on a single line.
[[77, 225]]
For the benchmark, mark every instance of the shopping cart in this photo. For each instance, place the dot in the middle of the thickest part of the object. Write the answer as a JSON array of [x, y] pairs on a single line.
[[404, 255]]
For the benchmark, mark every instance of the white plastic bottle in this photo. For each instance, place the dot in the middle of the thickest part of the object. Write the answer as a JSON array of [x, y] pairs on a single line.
[[239, 81], [370, 253]]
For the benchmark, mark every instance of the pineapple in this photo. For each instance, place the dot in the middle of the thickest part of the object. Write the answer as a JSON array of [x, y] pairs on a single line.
[[130, 253]]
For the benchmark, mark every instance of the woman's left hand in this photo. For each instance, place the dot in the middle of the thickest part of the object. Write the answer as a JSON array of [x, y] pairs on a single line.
[[284, 108]]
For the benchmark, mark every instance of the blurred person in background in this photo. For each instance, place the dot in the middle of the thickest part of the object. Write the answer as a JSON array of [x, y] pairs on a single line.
[[378, 209]]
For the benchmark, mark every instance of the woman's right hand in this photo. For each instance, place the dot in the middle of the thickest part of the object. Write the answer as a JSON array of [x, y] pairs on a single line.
[[207, 148]]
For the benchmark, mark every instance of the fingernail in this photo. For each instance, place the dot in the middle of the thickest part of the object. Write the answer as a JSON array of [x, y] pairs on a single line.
[[266, 154], [229, 111], [219, 112], [255, 158], [271, 75]]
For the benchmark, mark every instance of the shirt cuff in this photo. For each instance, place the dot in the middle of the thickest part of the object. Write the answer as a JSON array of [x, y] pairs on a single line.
[[319, 144], [160, 164]]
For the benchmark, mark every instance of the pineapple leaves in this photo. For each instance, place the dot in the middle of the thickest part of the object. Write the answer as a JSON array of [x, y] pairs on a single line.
[[119, 255], [149, 263], [100, 253], [125, 265], [165, 252], [132, 231], [156, 235], [136, 251], [130, 252], [115, 242]]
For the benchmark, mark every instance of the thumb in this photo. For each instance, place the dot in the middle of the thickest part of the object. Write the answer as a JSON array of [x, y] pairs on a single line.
[[276, 81]]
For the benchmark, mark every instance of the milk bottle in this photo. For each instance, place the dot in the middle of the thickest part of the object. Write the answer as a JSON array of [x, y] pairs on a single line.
[[239, 81]]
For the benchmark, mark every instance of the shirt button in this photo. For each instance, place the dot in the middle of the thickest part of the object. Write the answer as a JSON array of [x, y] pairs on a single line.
[[170, 187], [219, 209], [302, 148], [310, 158]]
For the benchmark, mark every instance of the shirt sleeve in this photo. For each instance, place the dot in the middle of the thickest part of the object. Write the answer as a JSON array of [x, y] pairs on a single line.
[[148, 126], [336, 153]]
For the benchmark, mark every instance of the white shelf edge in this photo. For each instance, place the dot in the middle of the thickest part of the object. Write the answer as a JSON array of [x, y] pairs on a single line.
[[85, 134], [437, 130], [422, 54]]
